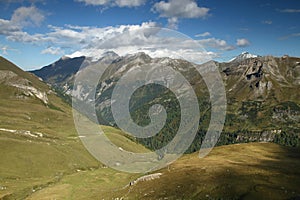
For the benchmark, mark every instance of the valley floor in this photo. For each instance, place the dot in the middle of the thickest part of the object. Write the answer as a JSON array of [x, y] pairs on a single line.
[[241, 171]]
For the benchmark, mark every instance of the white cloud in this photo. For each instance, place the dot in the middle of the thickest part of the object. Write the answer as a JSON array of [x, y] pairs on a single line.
[[242, 42], [24, 37], [27, 16], [180, 9], [119, 3], [147, 37], [176, 9], [217, 44], [244, 29], [5, 49], [290, 36], [130, 3], [205, 34], [173, 23], [269, 22], [6, 27], [129, 39], [124, 39], [53, 51], [295, 35], [21, 1], [22, 17], [290, 10], [96, 2]]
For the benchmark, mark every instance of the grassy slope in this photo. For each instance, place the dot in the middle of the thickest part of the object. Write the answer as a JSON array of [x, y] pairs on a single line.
[[122, 140], [58, 167], [246, 171], [29, 163]]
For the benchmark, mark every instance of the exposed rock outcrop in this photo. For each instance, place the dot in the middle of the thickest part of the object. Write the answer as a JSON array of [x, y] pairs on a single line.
[[12, 79]]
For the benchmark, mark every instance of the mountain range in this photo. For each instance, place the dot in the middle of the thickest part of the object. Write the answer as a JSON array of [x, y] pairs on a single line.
[[42, 156], [243, 56], [262, 102]]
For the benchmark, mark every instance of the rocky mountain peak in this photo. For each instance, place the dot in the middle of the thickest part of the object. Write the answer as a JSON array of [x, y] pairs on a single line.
[[26, 85], [64, 58], [243, 56], [140, 55], [110, 53]]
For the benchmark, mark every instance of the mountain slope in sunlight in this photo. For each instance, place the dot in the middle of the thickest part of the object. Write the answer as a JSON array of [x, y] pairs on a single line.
[[39, 144], [242, 171]]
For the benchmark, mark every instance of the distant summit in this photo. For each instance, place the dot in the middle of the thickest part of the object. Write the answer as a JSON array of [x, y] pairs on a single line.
[[64, 58], [93, 56], [245, 55]]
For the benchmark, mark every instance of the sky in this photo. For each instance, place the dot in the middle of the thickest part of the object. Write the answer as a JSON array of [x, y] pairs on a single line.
[[35, 33]]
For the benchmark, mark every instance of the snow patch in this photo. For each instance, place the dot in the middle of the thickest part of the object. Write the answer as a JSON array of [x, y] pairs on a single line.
[[8, 130], [245, 55], [23, 132], [31, 91], [146, 178]]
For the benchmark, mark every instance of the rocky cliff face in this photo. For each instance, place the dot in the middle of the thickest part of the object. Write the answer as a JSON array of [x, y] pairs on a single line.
[[26, 90], [261, 93], [263, 78]]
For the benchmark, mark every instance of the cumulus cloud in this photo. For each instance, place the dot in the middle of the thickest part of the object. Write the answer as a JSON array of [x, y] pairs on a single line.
[[147, 37], [242, 42], [130, 3], [6, 27], [20, 1], [173, 23], [205, 34], [180, 9], [124, 39], [22, 17], [176, 9], [129, 39], [112, 3], [217, 44], [53, 51], [27, 16]]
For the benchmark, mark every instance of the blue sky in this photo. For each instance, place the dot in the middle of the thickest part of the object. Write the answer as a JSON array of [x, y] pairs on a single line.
[[34, 33]]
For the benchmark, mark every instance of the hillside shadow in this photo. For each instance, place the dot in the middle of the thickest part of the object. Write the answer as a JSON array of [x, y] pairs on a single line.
[[274, 176], [268, 171]]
